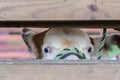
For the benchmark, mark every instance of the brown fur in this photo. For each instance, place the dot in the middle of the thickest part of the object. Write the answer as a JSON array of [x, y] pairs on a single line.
[[92, 41], [67, 43], [38, 41]]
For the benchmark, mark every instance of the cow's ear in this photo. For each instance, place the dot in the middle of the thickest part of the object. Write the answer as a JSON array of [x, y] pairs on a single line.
[[34, 41], [38, 42], [116, 40], [27, 36]]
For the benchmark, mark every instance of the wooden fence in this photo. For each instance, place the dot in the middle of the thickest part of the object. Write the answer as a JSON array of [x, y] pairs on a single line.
[[59, 13]]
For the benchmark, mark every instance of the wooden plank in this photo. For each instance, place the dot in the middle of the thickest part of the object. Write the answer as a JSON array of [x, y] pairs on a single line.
[[59, 70], [69, 23], [59, 10]]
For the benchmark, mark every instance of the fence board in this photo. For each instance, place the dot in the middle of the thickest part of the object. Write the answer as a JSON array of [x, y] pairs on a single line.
[[67, 23], [59, 10], [61, 70]]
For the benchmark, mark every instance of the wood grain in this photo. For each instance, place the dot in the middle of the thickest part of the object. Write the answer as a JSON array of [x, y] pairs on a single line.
[[59, 10], [37, 70]]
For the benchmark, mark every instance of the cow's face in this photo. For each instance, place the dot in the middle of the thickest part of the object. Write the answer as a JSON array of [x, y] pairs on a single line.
[[48, 44]]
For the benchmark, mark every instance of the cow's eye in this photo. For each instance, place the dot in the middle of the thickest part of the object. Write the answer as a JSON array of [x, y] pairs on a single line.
[[47, 50], [89, 49]]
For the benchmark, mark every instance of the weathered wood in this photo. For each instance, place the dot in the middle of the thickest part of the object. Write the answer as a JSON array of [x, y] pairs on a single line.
[[59, 10], [59, 70]]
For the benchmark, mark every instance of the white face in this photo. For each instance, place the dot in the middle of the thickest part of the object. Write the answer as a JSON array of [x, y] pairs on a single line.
[[56, 40]]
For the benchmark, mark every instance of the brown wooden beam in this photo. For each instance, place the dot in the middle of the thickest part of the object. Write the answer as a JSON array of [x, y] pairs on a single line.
[[61, 23]]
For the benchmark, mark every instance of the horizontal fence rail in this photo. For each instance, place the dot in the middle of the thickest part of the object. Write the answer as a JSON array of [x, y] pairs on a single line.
[[59, 10], [59, 70], [59, 23]]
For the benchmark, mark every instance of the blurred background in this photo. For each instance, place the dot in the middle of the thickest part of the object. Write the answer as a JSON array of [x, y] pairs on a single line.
[[12, 45]]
